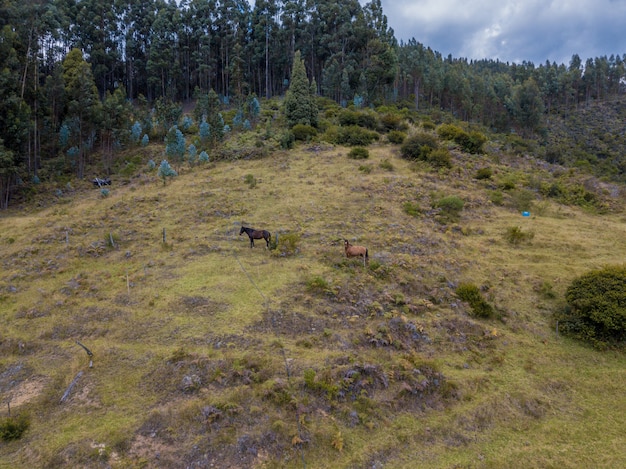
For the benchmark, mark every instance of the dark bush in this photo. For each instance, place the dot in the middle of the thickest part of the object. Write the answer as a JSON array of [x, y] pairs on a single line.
[[471, 294], [12, 428], [347, 118], [440, 158], [471, 142], [392, 121], [395, 136], [449, 208], [359, 153], [596, 307], [484, 173], [355, 136], [303, 133], [369, 120], [419, 146]]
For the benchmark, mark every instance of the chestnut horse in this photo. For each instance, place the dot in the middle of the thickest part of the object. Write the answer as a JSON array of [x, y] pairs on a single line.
[[256, 234], [356, 251]]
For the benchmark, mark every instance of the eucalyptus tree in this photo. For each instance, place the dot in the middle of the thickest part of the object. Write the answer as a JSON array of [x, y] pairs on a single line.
[[136, 20], [82, 104], [114, 125], [414, 62], [99, 36], [200, 19], [162, 65], [330, 35], [233, 20], [14, 113], [266, 48], [526, 107]]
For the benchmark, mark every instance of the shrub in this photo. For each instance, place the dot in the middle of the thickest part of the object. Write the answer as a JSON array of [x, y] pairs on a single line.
[[347, 118], [287, 140], [12, 428], [596, 307], [470, 293], [355, 136], [359, 153], [286, 244], [515, 236], [484, 173], [303, 133], [250, 180], [418, 147], [440, 158], [412, 208], [471, 142], [390, 122], [318, 284], [386, 165], [396, 137], [365, 168], [449, 208], [369, 120], [522, 200], [449, 132]]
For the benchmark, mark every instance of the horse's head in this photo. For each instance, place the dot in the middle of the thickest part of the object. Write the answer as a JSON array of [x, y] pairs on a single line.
[[346, 243], [242, 230]]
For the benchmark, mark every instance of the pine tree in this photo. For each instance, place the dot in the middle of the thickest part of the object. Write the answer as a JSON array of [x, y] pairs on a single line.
[[299, 99]]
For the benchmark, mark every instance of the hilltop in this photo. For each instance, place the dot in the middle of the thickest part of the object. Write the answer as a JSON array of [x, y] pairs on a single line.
[[207, 353]]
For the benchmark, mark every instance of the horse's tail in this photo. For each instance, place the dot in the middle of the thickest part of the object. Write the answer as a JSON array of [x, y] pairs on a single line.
[[366, 254]]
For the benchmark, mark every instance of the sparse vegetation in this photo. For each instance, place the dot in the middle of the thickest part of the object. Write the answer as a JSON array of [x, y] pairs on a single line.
[[296, 349], [358, 153], [471, 294]]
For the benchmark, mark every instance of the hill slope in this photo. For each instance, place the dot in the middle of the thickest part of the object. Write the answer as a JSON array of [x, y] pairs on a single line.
[[207, 353]]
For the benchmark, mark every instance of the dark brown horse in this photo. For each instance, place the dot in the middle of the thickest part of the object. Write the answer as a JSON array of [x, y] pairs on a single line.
[[256, 234]]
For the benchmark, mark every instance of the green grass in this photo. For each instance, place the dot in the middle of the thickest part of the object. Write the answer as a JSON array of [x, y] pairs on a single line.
[[201, 347]]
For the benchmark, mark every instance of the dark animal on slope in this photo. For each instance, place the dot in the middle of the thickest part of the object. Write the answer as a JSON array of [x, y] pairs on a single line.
[[256, 234], [101, 182], [356, 251]]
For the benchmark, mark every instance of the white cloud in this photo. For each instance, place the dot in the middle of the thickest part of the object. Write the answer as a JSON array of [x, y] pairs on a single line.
[[512, 30]]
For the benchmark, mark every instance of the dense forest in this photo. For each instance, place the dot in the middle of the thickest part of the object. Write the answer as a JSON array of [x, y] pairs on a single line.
[[76, 74]]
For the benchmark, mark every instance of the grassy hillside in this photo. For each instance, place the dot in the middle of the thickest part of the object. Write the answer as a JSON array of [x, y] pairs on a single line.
[[207, 353]]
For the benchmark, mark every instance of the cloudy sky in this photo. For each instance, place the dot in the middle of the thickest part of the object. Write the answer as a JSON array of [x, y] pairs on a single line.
[[512, 30]]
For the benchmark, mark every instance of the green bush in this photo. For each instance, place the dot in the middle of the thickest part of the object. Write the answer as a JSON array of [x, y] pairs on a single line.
[[386, 165], [516, 236], [596, 307], [359, 153], [390, 122], [12, 428], [355, 136], [440, 158], [471, 142], [450, 208], [287, 244], [347, 117], [449, 132], [396, 137], [471, 294], [412, 208], [419, 146], [484, 173], [303, 133]]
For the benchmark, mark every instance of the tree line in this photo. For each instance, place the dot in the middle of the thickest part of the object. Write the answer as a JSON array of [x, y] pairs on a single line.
[[71, 68]]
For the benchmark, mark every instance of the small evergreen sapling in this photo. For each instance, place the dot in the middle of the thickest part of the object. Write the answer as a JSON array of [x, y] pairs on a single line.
[[166, 171]]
